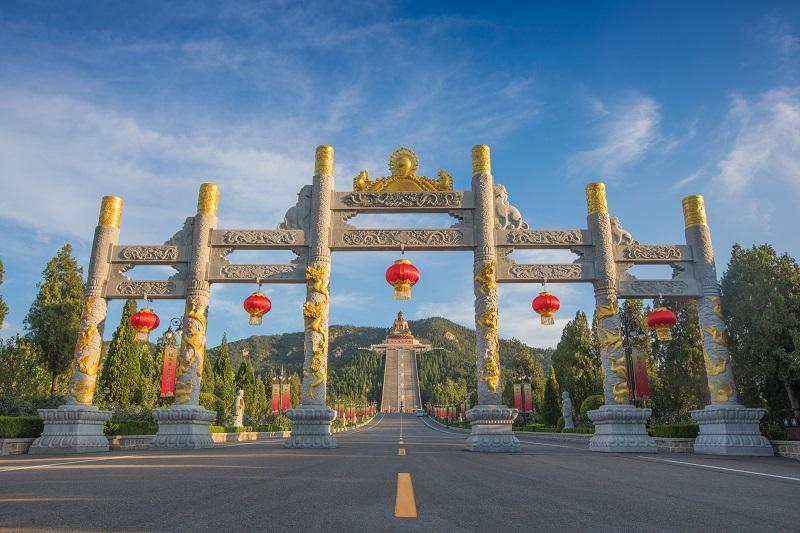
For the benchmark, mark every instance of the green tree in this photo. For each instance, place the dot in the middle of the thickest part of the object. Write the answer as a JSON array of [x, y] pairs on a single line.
[[258, 409], [523, 368], [118, 384], [150, 381], [3, 306], [269, 380], [246, 380], [634, 313], [576, 360], [224, 386], [208, 383], [295, 386], [681, 375], [551, 406], [21, 374], [54, 317], [761, 305]]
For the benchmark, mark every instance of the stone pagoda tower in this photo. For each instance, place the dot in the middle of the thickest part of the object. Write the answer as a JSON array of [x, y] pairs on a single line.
[[400, 377]]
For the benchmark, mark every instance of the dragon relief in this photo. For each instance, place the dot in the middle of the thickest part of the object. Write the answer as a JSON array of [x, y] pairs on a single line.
[[491, 371], [314, 315], [721, 393], [715, 366], [610, 339], [193, 346], [88, 350], [486, 278]]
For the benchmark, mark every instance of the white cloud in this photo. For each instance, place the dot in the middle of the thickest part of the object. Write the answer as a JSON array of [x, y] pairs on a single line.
[[626, 133], [765, 145]]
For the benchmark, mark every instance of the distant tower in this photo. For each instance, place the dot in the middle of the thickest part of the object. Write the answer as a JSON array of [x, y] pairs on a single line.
[[400, 377]]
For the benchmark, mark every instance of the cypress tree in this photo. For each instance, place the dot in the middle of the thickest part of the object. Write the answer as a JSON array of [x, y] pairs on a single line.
[[246, 380], [54, 317], [259, 406], [224, 386], [551, 406], [295, 388], [3, 306], [150, 382], [576, 360], [208, 383], [121, 376]]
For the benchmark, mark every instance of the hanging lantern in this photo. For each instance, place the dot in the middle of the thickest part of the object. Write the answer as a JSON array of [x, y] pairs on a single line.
[[257, 305], [144, 321], [546, 304], [402, 275], [662, 320]]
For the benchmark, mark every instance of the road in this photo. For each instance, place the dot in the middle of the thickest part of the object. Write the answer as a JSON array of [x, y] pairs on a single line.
[[398, 465]]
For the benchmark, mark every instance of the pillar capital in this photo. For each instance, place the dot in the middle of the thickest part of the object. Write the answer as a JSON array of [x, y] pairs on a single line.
[[323, 161], [110, 211], [694, 211], [208, 199], [481, 159], [596, 198]]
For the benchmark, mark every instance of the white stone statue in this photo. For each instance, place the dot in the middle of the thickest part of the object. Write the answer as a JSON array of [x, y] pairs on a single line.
[[566, 410], [238, 409]]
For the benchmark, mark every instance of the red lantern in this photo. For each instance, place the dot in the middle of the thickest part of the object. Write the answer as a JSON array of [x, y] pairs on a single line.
[[546, 304], [257, 305], [144, 321], [402, 275], [662, 320]]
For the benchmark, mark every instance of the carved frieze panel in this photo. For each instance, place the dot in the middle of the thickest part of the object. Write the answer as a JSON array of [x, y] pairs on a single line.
[[241, 238], [653, 253], [428, 200], [517, 272], [247, 273], [412, 238], [149, 254], [653, 288], [145, 288], [529, 238]]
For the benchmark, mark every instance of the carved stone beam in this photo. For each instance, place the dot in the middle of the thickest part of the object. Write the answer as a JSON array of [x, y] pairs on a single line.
[[258, 239], [548, 238], [652, 253], [509, 272], [120, 288], [403, 202], [653, 288], [232, 273], [149, 255], [411, 239]]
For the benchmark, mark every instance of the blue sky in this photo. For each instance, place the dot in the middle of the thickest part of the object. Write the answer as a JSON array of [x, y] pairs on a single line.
[[148, 100]]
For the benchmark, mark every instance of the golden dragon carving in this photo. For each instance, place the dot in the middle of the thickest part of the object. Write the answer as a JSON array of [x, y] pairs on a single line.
[[619, 367], [716, 367], [717, 335], [313, 313], [722, 392], [193, 348], [486, 278], [491, 371]]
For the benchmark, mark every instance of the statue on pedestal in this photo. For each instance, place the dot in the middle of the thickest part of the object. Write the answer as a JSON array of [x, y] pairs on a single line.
[[400, 327], [566, 410], [238, 409]]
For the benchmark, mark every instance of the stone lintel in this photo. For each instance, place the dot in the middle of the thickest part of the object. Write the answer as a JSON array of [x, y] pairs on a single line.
[[653, 288], [258, 239]]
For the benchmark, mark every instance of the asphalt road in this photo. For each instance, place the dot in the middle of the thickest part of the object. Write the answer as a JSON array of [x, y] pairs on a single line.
[[262, 487]]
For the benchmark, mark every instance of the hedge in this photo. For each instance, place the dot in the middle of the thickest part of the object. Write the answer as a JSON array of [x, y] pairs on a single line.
[[583, 430], [130, 427], [18, 427], [674, 431]]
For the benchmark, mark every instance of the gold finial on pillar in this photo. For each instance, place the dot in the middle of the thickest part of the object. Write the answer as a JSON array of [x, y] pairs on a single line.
[[694, 211], [110, 211], [596, 197], [481, 159], [323, 162], [208, 199]]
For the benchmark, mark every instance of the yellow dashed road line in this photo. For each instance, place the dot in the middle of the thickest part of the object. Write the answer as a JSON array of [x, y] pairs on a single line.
[[404, 505]]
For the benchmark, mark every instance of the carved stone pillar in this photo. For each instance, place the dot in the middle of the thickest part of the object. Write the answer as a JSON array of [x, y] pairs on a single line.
[[490, 419], [311, 421], [726, 428], [185, 423], [77, 426], [619, 427]]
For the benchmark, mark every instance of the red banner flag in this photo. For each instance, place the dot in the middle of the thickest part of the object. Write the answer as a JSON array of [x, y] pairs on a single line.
[[168, 371], [528, 397], [642, 383], [276, 397], [518, 396], [286, 397]]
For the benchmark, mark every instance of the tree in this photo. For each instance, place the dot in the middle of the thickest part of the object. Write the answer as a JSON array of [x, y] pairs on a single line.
[[761, 306], [576, 360], [54, 317], [524, 367], [681, 383], [120, 378], [3, 306], [258, 407], [150, 382], [551, 406], [295, 386], [208, 383], [246, 381], [21, 375], [224, 386]]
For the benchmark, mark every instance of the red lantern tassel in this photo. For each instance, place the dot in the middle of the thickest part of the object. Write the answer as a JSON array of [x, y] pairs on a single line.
[[402, 291]]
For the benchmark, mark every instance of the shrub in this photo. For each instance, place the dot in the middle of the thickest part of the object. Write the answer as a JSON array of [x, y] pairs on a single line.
[[590, 404], [209, 401], [130, 427], [560, 423], [580, 429], [674, 431], [17, 427], [14, 406]]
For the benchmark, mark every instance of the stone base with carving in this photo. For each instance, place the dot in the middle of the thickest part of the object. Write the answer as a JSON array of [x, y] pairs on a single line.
[[730, 430], [183, 428], [311, 427], [491, 429], [72, 429], [621, 428]]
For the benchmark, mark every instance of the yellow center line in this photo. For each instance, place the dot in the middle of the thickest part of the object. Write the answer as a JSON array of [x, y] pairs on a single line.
[[404, 505], [401, 451]]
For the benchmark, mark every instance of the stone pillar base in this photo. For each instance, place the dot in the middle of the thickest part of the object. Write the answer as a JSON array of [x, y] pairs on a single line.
[[311, 427], [621, 428], [491, 429], [730, 430], [182, 428], [72, 429]]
